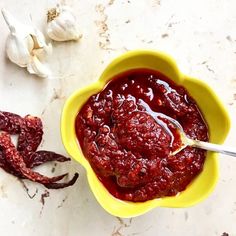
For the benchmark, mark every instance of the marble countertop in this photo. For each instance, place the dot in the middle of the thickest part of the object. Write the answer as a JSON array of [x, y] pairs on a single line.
[[200, 35]]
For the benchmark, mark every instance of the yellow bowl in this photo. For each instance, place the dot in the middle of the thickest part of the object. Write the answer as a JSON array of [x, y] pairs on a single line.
[[213, 110]]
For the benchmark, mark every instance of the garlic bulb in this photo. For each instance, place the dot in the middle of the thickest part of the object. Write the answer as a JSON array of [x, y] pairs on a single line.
[[61, 24], [25, 45]]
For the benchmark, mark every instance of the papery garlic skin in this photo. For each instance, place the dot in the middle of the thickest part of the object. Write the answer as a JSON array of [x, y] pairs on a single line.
[[24, 44], [61, 24]]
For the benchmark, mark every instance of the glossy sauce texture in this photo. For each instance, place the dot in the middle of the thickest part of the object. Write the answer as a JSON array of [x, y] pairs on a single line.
[[126, 134]]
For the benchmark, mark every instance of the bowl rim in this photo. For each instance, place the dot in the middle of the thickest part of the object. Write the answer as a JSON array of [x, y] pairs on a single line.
[[99, 84]]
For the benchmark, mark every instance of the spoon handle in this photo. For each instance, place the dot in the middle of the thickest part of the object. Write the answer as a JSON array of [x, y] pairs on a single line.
[[214, 147]]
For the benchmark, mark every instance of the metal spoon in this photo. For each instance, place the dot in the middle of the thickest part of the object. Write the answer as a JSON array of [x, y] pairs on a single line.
[[185, 140], [200, 144]]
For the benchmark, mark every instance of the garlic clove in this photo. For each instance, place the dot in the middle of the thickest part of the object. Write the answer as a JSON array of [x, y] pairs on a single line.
[[42, 53], [62, 24], [17, 50], [37, 68], [39, 38], [18, 44], [41, 48]]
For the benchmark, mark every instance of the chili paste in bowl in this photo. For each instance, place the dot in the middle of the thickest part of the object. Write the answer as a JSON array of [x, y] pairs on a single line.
[[118, 128], [126, 135]]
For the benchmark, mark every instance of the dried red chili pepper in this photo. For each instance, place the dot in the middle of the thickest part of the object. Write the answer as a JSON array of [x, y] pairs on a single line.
[[10, 122], [17, 162], [62, 185], [35, 159], [40, 157], [7, 167], [30, 136]]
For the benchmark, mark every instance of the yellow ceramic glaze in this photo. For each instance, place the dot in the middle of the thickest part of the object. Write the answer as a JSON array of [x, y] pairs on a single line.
[[213, 110]]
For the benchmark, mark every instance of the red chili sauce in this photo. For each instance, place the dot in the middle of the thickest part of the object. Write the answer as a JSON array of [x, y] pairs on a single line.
[[126, 134]]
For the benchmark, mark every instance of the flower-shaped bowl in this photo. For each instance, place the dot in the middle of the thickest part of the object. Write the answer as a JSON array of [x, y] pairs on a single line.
[[213, 110]]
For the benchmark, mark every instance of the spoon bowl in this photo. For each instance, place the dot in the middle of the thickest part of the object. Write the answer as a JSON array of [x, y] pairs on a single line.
[[186, 141]]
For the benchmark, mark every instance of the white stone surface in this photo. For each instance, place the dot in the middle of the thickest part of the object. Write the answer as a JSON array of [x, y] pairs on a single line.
[[200, 35]]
